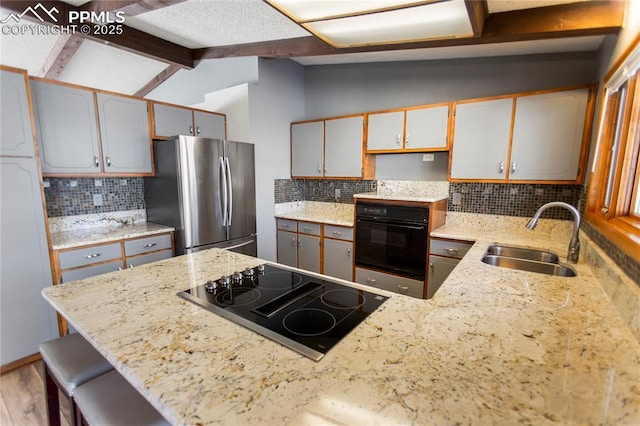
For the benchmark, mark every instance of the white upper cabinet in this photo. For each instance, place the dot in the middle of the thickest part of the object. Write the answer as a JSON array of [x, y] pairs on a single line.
[[16, 138], [481, 139], [427, 128], [343, 147], [412, 129], [171, 120], [67, 129], [548, 136], [385, 131], [124, 130], [307, 143], [209, 125]]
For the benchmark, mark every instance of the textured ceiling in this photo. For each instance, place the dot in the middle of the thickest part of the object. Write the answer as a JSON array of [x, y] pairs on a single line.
[[27, 51], [205, 23]]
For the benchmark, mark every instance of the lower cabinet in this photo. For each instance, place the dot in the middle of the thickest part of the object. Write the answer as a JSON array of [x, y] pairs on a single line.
[[88, 261], [444, 255], [390, 282], [316, 247]]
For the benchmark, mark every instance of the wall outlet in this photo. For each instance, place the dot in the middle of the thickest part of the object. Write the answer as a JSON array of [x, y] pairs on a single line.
[[97, 200], [46, 184], [428, 157], [337, 193], [97, 182], [73, 183], [456, 199]]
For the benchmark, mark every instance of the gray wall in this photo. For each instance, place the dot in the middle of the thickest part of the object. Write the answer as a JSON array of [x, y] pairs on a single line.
[[354, 88], [276, 101]]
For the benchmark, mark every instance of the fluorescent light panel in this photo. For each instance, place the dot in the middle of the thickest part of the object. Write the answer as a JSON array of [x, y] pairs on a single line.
[[330, 20]]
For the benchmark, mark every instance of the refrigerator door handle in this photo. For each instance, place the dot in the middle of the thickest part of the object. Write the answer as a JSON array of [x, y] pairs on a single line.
[[223, 184], [228, 167]]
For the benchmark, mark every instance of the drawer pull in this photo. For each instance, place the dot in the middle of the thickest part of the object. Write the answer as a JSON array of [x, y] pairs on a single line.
[[452, 250], [285, 226], [92, 256], [403, 289], [371, 280], [307, 229], [149, 245], [339, 234]]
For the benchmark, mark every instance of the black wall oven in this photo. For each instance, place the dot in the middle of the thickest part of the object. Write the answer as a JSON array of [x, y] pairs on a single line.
[[392, 238]]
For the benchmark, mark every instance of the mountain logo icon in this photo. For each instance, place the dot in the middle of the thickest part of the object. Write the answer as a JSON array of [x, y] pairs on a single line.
[[37, 11]]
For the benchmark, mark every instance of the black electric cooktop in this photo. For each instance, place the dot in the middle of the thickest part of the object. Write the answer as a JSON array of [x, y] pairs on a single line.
[[302, 312]]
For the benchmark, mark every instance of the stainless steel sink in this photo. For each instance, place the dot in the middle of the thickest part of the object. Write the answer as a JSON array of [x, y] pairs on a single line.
[[530, 265], [523, 253]]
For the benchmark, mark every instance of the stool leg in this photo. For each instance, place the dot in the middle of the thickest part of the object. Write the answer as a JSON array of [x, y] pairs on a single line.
[[53, 401]]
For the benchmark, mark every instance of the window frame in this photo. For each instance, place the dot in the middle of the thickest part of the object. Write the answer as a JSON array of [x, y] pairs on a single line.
[[618, 223]]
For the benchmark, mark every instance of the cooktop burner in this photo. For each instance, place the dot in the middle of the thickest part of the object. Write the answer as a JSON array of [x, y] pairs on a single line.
[[305, 313]]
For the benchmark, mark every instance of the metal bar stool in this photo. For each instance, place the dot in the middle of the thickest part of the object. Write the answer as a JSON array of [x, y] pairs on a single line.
[[69, 361], [110, 400]]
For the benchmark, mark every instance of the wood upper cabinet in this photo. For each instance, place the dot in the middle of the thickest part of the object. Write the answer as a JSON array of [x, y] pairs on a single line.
[[419, 129], [124, 131], [546, 142], [548, 136], [171, 120], [330, 148], [67, 129], [16, 135], [481, 139]]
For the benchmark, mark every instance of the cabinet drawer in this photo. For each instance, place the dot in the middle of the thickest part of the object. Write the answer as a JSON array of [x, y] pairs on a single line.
[[90, 271], [287, 225], [390, 282], [338, 232], [89, 255], [309, 228], [148, 258], [447, 248], [146, 245]]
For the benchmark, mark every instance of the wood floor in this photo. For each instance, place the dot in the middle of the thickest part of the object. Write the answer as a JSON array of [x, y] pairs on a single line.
[[22, 399]]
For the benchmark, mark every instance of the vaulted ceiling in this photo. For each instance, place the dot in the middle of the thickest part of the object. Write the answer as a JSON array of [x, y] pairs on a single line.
[[160, 37]]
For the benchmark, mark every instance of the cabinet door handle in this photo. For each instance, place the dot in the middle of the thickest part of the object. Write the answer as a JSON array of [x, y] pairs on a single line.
[[197, 130], [299, 242], [293, 241], [501, 167], [108, 161], [131, 266], [319, 169], [349, 252], [513, 167], [398, 139], [92, 256], [96, 161], [119, 268], [406, 140], [431, 265], [191, 130], [149, 245]]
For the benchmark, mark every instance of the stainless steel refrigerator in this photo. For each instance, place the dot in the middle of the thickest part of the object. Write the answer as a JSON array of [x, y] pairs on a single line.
[[205, 189]]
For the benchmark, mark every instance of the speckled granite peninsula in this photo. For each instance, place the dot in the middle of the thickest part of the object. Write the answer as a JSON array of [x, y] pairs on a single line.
[[494, 346]]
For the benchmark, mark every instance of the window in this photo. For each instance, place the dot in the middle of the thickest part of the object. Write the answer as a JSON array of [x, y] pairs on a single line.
[[613, 200]]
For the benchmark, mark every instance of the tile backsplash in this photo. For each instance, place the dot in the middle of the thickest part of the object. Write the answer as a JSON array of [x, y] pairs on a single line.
[[78, 196], [288, 190]]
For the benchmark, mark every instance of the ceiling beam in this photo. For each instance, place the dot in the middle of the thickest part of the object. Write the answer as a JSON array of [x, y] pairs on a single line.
[[66, 46], [478, 11], [131, 39], [130, 7], [157, 80], [568, 20]]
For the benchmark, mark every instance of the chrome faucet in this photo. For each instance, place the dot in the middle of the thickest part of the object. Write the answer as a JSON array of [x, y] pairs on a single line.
[[574, 244]]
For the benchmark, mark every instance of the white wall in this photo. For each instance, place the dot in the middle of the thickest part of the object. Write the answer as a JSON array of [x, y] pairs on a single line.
[[276, 101], [188, 87]]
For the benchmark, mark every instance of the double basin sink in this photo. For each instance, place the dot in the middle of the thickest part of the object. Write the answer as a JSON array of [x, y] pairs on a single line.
[[525, 259]]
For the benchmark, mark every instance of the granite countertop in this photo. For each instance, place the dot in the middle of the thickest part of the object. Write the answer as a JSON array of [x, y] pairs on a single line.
[[315, 211], [104, 234], [494, 346]]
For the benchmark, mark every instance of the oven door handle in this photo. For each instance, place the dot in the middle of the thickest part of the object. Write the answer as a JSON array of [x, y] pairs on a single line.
[[393, 222]]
